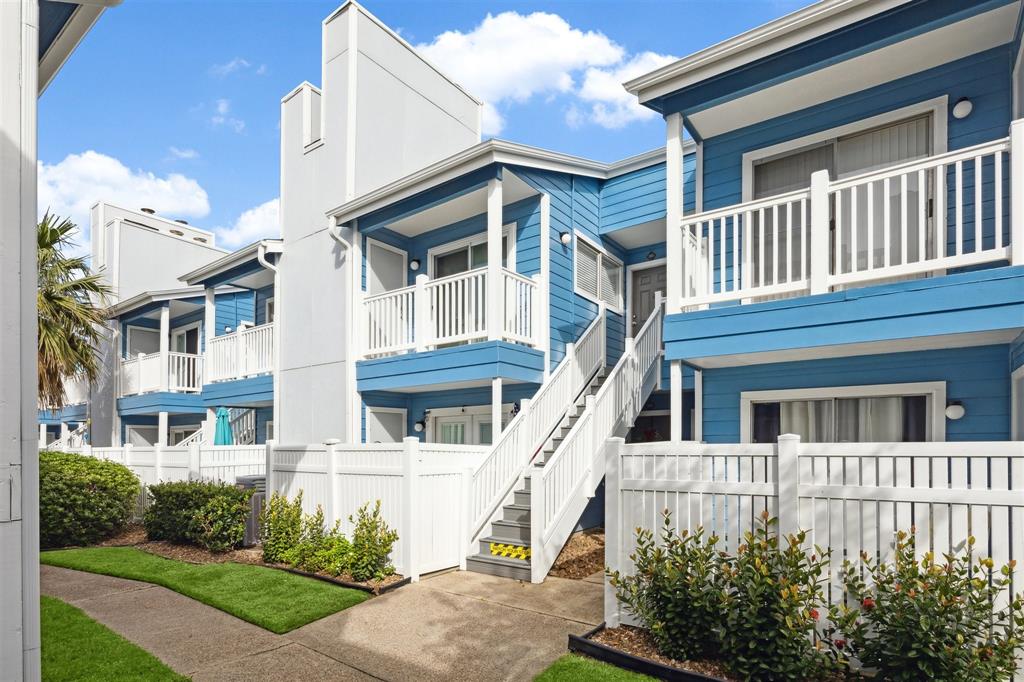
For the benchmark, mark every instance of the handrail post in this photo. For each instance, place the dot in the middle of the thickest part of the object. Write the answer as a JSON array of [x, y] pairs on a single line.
[[421, 314], [1017, 192], [821, 237]]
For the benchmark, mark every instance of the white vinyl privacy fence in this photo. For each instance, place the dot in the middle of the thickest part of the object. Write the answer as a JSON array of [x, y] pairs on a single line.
[[194, 462], [423, 489], [850, 497]]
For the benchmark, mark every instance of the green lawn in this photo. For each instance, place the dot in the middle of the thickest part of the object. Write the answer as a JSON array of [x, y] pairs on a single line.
[[274, 600], [573, 668], [77, 648]]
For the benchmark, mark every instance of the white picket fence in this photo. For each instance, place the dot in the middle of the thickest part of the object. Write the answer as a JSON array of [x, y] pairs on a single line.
[[423, 489], [850, 497], [194, 462]]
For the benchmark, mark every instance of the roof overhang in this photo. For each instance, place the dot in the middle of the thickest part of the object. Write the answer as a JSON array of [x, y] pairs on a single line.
[[233, 260], [150, 297], [62, 25], [481, 155]]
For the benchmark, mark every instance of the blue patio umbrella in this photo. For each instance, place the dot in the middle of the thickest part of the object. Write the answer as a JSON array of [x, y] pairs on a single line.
[[222, 432]]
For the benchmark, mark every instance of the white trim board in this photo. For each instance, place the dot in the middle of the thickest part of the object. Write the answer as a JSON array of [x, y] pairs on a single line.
[[935, 391], [937, 108]]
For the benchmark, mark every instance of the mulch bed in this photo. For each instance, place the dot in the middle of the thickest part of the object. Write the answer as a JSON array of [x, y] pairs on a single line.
[[582, 556], [135, 536], [638, 642]]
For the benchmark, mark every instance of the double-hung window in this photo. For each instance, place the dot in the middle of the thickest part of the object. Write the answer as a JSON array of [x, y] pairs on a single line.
[[598, 276]]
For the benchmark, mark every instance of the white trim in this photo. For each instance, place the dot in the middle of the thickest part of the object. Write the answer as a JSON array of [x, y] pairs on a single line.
[[602, 254], [508, 233], [370, 241], [267, 319], [388, 410], [628, 291], [935, 391], [937, 108], [1017, 403], [128, 343]]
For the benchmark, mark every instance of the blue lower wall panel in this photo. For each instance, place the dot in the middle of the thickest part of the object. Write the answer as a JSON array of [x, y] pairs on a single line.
[[472, 362]]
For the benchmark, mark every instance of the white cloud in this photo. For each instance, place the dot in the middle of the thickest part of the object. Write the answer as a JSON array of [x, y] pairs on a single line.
[[228, 68], [71, 186], [511, 57], [610, 106], [185, 154], [222, 117], [261, 70], [256, 223]]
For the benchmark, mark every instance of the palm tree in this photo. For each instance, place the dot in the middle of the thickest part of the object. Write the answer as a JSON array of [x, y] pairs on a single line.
[[71, 301]]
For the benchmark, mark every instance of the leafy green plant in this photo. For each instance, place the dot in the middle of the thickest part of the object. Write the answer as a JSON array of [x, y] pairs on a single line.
[[674, 590], [917, 619], [771, 598], [82, 500], [372, 542], [280, 526], [211, 515], [319, 549]]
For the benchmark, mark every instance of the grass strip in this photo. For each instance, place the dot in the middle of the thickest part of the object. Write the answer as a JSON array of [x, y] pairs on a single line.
[[575, 668], [78, 649], [274, 600]]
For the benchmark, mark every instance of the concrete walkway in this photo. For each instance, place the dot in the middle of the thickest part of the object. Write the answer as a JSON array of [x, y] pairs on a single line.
[[458, 625]]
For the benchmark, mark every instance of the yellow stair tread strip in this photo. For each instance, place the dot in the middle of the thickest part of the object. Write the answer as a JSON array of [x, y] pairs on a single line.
[[510, 551]]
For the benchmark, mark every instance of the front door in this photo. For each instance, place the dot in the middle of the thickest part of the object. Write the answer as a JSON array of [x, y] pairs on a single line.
[[645, 284], [186, 341], [453, 430]]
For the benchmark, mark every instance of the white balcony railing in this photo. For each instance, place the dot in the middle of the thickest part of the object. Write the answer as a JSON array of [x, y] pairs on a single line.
[[243, 353], [450, 310], [918, 218], [178, 372]]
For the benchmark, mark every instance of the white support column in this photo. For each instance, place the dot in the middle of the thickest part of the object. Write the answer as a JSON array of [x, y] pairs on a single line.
[[675, 375], [42, 436], [421, 314], [820, 237], [495, 409], [673, 212], [165, 346], [210, 425], [495, 314], [545, 282], [162, 429], [1017, 192], [698, 405], [210, 317], [65, 431]]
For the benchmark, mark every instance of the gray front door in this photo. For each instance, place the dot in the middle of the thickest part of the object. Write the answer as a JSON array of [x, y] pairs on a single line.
[[644, 285]]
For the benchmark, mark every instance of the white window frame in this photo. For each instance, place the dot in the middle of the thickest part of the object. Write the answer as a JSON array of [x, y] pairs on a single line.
[[134, 327], [602, 253], [473, 413], [508, 232], [174, 430], [935, 391], [937, 108], [370, 241], [266, 310], [1016, 403], [184, 328], [268, 430], [389, 410]]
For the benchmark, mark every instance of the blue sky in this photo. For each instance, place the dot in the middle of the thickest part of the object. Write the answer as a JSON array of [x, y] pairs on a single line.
[[176, 104]]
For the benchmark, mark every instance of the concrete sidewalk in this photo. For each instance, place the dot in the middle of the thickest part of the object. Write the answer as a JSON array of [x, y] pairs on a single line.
[[457, 625]]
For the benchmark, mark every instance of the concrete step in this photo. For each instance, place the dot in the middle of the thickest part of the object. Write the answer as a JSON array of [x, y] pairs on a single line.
[[516, 513], [499, 566], [514, 531], [510, 548]]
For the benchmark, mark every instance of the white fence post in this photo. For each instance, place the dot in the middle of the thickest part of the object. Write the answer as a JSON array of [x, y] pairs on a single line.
[[787, 480], [195, 465], [158, 462], [410, 486], [126, 452], [333, 511], [269, 470], [1016, 192], [466, 519], [612, 526], [421, 313], [820, 237]]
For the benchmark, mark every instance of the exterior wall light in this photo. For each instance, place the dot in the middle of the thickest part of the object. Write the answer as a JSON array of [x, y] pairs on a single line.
[[651, 255], [418, 426], [962, 108], [565, 238], [414, 264], [955, 410]]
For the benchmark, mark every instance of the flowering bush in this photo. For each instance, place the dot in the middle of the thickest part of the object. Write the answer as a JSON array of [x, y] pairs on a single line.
[[771, 602], [918, 619], [673, 590]]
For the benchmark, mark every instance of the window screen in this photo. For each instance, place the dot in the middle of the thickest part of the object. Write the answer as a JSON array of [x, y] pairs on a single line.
[[792, 172], [611, 282], [586, 268]]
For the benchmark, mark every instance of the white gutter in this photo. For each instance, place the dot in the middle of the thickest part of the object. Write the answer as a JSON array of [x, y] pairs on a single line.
[[334, 229]]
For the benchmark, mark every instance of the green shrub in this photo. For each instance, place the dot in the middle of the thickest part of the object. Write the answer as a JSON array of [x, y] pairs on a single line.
[[770, 601], [318, 549], [372, 541], [280, 527], [674, 591], [211, 515], [83, 500], [918, 619]]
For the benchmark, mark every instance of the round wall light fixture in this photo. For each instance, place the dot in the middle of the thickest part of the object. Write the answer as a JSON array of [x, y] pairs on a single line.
[[418, 427], [414, 264], [565, 238], [955, 410], [651, 255], [962, 108]]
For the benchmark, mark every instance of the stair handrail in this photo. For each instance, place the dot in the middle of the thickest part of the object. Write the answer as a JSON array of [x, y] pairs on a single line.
[[577, 465], [196, 438], [66, 441], [496, 475]]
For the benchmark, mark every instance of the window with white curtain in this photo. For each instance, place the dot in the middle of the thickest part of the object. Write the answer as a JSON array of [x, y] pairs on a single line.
[[598, 276], [855, 414]]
